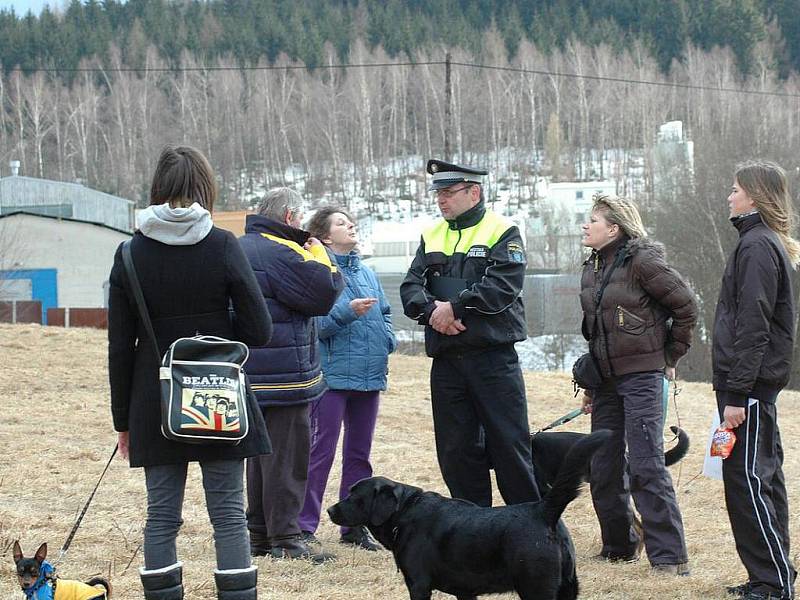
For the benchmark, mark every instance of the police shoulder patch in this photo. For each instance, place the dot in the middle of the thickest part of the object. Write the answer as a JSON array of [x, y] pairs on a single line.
[[516, 254]]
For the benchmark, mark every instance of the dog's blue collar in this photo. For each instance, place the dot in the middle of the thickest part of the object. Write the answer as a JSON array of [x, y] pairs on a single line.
[[43, 588]]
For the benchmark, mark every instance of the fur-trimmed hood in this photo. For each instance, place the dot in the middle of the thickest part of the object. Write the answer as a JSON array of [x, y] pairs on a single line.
[[630, 246], [636, 245]]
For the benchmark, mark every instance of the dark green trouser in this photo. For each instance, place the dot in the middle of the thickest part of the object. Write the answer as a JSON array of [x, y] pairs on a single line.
[[276, 483]]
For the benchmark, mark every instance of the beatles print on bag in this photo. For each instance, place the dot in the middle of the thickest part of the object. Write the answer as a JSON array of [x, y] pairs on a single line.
[[210, 403]]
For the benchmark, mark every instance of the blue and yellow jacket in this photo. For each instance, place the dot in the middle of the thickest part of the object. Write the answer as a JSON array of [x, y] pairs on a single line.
[[48, 587], [297, 285], [355, 350], [481, 256]]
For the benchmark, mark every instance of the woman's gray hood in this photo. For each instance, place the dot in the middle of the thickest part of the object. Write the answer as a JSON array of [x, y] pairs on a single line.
[[175, 226]]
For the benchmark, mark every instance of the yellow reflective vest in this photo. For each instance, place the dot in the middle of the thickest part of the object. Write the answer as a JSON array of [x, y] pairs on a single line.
[[477, 263]]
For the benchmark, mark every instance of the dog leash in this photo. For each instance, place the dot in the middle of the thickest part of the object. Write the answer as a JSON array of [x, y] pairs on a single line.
[[675, 391], [71, 535], [562, 420]]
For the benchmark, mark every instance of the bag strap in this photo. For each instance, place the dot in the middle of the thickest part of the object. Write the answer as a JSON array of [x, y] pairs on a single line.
[[598, 313], [618, 258], [127, 260]]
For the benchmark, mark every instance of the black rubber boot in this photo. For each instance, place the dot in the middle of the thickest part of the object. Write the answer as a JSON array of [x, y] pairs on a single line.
[[237, 584], [163, 584]]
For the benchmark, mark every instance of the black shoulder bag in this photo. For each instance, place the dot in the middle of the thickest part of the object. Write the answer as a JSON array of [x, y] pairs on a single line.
[[586, 372], [203, 391]]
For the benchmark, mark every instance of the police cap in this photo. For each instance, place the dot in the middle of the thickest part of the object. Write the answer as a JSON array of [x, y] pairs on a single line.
[[446, 174]]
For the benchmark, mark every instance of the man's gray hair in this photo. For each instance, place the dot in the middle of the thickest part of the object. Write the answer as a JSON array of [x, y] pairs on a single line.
[[279, 201]]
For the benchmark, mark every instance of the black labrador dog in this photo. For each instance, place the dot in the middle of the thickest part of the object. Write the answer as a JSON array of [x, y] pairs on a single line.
[[466, 550], [550, 448]]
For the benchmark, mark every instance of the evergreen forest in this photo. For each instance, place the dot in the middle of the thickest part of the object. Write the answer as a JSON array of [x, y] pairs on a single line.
[[249, 31]]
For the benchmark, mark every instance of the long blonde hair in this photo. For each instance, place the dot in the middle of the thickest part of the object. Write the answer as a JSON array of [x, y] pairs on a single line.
[[766, 185], [621, 212]]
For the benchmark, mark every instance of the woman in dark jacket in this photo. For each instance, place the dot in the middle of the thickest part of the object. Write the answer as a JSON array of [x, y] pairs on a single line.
[[190, 274], [633, 344], [754, 327], [355, 339]]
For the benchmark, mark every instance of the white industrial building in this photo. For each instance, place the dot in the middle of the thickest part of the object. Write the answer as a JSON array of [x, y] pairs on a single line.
[[57, 241], [61, 262], [576, 196]]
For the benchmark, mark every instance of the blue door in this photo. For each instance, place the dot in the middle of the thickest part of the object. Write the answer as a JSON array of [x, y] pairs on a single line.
[[44, 286]]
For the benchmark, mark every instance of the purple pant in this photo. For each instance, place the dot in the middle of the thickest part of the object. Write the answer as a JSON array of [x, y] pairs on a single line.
[[358, 411]]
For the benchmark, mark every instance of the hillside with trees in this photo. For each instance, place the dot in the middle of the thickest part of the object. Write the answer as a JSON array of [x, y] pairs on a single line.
[[252, 31]]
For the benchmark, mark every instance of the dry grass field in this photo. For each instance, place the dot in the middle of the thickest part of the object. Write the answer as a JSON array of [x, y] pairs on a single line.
[[50, 465]]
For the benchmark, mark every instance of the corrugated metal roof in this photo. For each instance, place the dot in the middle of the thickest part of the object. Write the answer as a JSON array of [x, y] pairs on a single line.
[[60, 198], [27, 213]]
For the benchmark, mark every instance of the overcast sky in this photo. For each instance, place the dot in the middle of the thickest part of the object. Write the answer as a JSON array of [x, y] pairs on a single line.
[[21, 7]]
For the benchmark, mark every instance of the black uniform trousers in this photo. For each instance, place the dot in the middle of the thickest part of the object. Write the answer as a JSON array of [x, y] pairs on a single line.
[[276, 483], [755, 496], [631, 407], [480, 420]]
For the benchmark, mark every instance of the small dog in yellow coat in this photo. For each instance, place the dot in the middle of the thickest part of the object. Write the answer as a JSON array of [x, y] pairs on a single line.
[[38, 580]]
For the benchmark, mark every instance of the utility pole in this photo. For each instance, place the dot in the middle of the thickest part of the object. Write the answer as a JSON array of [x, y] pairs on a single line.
[[448, 116]]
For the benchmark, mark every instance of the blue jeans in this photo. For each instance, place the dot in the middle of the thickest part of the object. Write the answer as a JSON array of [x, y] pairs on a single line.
[[224, 490]]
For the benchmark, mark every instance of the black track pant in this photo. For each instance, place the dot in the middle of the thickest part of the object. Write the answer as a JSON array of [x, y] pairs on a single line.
[[755, 495], [480, 419]]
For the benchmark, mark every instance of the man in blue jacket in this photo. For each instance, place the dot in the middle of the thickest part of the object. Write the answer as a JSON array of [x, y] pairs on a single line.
[[298, 282]]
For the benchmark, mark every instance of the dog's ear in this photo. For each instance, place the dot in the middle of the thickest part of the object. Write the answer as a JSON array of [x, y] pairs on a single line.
[[17, 551], [41, 553], [384, 504]]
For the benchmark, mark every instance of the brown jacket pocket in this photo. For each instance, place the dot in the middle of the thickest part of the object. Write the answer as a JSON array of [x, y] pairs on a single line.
[[629, 322]]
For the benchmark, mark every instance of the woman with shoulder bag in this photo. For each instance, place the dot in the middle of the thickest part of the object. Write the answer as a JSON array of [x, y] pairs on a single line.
[[629, 294], [191, 273]]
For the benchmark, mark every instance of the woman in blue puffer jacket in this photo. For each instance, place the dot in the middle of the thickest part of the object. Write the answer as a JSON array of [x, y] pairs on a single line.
[[355, 340]]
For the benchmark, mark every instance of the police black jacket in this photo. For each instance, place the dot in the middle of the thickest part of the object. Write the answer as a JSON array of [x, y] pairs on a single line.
[[754, 324], [481, 258]]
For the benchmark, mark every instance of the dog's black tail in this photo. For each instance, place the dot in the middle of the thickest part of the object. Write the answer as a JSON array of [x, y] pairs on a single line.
[[680, 449], [571, 476], [101, 581]]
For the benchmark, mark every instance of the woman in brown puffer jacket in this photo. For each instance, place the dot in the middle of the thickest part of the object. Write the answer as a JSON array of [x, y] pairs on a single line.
[[638, 316]]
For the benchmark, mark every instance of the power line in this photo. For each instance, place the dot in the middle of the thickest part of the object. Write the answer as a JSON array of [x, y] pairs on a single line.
[[219, 68], [330, 67], [687, 86]]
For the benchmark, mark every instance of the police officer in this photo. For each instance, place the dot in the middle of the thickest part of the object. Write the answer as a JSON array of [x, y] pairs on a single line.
[[465, 287]]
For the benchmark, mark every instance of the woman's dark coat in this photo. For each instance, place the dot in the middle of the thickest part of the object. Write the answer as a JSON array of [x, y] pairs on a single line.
[[647, 312], [188, 291], [755, 320]]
